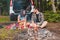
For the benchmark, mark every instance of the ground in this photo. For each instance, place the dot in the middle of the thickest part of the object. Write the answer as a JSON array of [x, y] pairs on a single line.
[[53, 27], [52, 31]]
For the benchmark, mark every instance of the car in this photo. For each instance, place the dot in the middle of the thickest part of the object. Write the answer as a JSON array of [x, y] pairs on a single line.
[[16, 6]]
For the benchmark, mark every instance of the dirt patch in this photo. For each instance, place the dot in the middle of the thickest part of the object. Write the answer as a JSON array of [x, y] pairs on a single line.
[[54, 27]]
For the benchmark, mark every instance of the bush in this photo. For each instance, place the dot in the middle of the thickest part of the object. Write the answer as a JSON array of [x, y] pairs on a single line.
[[52, 17], [5, 13]]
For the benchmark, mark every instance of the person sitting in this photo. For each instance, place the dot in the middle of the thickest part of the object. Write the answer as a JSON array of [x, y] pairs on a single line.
[[39, 18], [22, 19]]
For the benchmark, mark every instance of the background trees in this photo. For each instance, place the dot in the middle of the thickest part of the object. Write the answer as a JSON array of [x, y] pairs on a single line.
[[53, 6], [4, 6], [50, 5], [42, 5]]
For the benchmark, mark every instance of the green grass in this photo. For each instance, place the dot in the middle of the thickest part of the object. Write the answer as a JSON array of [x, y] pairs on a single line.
[[4, 19]]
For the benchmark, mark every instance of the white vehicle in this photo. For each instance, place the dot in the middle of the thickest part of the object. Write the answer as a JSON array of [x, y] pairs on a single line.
[[16, 6]]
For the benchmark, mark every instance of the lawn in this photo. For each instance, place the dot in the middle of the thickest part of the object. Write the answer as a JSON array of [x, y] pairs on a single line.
[[4, 19]]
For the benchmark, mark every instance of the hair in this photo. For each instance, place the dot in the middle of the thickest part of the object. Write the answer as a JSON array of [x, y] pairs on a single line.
[[21, 12], [35, 7]]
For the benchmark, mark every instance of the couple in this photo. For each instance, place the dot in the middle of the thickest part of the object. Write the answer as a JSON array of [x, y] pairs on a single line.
[[37, 20]]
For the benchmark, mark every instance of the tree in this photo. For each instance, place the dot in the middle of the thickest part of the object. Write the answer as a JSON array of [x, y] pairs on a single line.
[[4, 6], [53, 6]]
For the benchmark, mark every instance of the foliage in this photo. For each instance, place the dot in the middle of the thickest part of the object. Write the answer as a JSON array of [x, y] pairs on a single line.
[[52, 17], [4, 13], [4, 4], [7, 34]]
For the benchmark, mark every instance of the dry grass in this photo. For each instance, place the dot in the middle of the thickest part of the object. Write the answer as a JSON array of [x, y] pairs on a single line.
[[7, 34], [4, 19]]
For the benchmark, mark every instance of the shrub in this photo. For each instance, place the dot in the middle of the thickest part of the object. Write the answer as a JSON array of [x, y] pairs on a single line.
[[51, 16], [4, 13]]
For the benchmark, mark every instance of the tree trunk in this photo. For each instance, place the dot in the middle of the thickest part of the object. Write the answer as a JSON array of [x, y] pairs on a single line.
[[53, 6], [0, 11]]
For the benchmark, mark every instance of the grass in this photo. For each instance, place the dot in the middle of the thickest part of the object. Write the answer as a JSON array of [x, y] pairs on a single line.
[[7, 34], [4, 19]]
